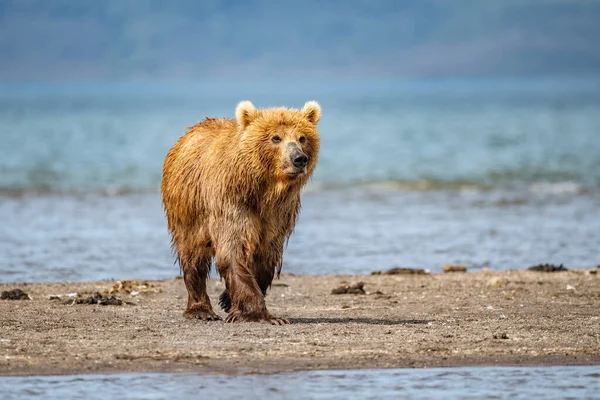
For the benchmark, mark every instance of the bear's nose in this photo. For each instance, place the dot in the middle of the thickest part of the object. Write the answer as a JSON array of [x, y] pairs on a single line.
[[300, 160]]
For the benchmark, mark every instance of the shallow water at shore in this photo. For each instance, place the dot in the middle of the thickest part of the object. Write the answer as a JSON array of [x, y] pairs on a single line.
[[581, 382], [358, 230]]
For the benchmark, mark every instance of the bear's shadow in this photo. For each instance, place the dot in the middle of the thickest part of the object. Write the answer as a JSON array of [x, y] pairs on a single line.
[[371, 321]]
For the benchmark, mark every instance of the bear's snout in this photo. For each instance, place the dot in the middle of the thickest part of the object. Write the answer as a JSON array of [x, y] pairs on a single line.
[[299, 159]]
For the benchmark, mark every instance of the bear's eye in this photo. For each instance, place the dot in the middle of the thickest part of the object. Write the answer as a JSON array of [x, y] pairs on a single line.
[[276, 139], [302, 139]]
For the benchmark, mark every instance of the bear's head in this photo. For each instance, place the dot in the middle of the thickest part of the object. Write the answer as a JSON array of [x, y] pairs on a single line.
[[280, 143]]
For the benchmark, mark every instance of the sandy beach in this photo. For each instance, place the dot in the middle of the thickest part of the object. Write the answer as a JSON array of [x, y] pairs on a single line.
[[454, 319]]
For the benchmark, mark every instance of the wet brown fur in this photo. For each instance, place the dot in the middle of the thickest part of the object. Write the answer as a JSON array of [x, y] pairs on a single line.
[[227, 199]]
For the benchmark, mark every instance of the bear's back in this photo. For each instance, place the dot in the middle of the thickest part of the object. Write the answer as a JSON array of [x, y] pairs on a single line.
[[202, 140], [192, 160], [207, 132]]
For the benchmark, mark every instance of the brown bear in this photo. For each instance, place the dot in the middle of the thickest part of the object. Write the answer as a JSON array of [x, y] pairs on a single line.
[[231, 193]]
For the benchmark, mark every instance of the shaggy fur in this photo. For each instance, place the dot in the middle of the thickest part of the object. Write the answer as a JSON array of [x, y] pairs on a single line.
[[231, 193]]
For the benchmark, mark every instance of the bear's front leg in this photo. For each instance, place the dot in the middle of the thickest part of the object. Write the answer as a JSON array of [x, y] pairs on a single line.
[[265, 263], [237, 250], [247, 299]]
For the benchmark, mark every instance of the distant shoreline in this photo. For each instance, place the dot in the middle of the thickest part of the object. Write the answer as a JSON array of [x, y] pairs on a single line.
[[437, 320]]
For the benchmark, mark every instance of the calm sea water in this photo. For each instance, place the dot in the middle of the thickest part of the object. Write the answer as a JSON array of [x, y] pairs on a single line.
[[498, 173], [525, 383]]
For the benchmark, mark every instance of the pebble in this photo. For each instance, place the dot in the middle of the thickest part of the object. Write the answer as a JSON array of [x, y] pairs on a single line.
[[497, 282], [357, 288]]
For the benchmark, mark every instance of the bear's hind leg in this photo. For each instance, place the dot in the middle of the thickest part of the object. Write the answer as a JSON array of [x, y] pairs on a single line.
[[195, 273], [225, 301]]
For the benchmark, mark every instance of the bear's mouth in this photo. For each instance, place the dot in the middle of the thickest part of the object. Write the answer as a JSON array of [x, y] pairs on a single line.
[[293, 172]]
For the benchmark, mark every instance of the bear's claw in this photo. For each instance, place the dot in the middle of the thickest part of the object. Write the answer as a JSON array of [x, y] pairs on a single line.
[[279, 321], [203, 315], [232, 318], [238, 317]]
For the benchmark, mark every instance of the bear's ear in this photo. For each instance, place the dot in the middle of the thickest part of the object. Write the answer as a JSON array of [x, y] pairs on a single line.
[[312, 111], [245, 112]]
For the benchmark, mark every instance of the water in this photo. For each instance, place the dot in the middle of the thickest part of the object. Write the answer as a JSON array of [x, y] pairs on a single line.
[[504, 174], [91, 236], [435, 134], [444, 383]]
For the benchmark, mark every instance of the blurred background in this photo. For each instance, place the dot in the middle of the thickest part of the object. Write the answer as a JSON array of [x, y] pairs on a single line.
[[463, 131]]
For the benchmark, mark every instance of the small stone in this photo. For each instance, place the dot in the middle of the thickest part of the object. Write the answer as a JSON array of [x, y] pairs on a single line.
[[569, 287], [357, 288], [497, 282], [129, 286], [454, 268], [490, 308]]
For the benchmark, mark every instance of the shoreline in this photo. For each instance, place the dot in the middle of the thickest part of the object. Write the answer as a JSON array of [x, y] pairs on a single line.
[[486, 318]]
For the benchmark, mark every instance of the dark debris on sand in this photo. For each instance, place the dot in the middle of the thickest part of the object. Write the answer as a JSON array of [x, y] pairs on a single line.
[[15, 294], [401, 271], [101, 299], [547, 268], [357, 288]]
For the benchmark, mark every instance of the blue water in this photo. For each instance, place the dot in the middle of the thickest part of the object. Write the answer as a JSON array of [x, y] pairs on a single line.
[[509, 133], [503, 174], [526, 383]]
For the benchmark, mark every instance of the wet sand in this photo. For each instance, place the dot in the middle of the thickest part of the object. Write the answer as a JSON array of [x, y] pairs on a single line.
[[456, 319]]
